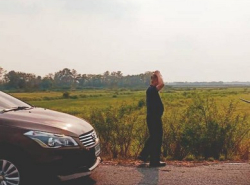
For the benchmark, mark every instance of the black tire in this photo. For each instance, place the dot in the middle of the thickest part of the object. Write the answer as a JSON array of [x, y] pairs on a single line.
[[10, 171], [28, 172], [18, 160]]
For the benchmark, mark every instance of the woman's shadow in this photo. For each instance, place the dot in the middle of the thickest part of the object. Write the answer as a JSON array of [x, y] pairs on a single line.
[[150, 175]]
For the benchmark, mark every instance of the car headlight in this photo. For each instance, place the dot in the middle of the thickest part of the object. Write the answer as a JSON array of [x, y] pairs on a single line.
[[49, 140]]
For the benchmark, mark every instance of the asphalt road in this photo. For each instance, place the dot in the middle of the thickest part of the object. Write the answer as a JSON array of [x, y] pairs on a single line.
[[216, 174]]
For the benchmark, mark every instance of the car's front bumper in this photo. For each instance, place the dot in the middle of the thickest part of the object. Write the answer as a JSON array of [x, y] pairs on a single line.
[[66, 163], [78, 173]]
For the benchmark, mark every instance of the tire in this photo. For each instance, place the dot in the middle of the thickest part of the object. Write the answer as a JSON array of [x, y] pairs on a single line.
[[26, 173], [10, 172], [16, 160]]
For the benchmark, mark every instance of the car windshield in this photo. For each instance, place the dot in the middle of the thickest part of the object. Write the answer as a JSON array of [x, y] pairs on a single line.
[[9, 102]]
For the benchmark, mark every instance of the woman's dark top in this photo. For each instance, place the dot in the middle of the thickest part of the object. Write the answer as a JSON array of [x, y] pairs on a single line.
[[155, 107]]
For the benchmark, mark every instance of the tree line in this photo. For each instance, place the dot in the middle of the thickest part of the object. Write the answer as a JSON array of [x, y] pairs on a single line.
[[70, 79]]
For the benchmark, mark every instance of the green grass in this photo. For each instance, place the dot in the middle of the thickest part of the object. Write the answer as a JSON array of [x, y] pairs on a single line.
[[83, 104], [92, 105], [91, 99]]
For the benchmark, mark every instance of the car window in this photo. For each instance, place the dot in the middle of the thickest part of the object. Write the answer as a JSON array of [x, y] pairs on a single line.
[[7, 102]]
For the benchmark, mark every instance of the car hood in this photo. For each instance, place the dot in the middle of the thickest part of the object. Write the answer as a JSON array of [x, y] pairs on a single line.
[[46, 120]]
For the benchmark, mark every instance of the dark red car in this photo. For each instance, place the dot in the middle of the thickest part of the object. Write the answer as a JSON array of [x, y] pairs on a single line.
[[40, 140]]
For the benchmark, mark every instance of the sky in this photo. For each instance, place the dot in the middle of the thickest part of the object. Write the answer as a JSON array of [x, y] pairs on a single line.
[[187, 40]]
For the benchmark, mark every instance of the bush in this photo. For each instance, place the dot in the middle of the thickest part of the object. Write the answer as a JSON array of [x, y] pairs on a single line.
[[120, 129], [222, 158], [74, 97], [200, 158], [189, 158], [210, 159], [66, 94], [169, 158], [83, 96], [141, 103], [200, 130], [204, 130]]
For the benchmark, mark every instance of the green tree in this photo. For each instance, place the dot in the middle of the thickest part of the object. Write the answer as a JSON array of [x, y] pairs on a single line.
[[64, 78]]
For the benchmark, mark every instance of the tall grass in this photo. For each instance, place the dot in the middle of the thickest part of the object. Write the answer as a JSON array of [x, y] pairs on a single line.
[[202, 129], [202, 123], [205, 130]]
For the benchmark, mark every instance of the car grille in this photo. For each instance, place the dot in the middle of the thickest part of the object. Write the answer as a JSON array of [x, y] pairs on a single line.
[[88, 140]]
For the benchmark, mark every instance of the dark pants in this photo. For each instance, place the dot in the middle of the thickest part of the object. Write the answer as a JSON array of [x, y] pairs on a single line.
[[153, 144]]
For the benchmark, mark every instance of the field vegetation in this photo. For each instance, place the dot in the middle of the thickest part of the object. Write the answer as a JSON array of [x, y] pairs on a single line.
[[199, 123]]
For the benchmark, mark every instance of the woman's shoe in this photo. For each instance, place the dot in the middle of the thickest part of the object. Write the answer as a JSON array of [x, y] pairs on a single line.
[[158, 164]]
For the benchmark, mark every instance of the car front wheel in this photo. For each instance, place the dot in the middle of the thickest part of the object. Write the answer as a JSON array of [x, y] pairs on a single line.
[[9, 173]]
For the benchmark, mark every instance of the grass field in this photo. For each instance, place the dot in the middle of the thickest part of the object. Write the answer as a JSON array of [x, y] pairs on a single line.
[[193, 125], [81, 102]]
